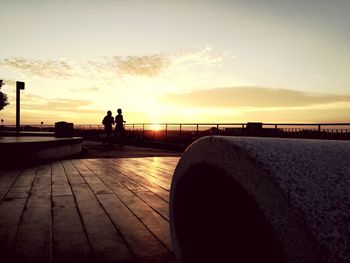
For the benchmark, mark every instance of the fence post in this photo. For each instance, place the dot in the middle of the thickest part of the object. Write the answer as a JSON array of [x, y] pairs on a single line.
[[143, 132], [180, 132], [319, 130], [166, 132]]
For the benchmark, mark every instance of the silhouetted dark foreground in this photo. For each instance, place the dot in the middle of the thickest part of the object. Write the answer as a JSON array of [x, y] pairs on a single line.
[[261, 200]]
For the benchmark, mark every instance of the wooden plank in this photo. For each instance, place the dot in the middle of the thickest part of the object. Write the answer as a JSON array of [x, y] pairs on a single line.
[[107, 243], [70, 243], [72, 173], [11, 209], [150, 194], [133, 186], [23, 184], [150, 170], [151, 219], [147, 196], [60, 184], [97, 186], [130, 169], [144, 245], [155, 203], [164, 165], [10, 215], [33, 240], [7, 179], [124, 173]]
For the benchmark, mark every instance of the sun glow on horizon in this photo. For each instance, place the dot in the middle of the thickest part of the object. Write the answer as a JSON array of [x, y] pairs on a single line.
[[156, 127]]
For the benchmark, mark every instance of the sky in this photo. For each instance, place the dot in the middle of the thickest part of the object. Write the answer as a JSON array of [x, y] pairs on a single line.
[[177, 61]]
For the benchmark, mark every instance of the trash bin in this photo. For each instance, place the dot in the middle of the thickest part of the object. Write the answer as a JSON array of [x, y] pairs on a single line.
[[64, 129], [254, 128]]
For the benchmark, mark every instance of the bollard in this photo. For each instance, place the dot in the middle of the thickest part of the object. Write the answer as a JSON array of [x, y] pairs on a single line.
[[240, 199]]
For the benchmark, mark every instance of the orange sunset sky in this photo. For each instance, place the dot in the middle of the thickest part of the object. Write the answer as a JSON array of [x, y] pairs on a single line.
[[177, 61]]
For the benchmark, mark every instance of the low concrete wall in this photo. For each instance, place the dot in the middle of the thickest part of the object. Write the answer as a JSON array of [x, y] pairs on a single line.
[[239, 199], [16, 151]]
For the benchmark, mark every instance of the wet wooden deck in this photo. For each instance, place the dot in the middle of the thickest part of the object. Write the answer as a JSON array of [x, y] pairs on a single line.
[[87, 210]]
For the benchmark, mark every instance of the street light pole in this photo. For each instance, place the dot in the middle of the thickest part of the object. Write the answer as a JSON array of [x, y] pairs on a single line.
[[19, 87]]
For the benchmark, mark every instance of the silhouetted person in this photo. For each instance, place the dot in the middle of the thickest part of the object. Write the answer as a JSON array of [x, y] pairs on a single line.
[[108, 122], [119, 126]]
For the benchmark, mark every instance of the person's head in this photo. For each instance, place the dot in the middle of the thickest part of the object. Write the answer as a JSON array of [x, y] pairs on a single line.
[[119, 111], [109, 113]]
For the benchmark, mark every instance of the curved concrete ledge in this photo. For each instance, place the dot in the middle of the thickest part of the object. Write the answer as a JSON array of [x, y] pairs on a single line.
[[239, 199], [23, 150]]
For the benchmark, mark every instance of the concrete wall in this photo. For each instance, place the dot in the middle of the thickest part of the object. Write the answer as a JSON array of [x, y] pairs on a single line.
[[239, 199], [17, 151]]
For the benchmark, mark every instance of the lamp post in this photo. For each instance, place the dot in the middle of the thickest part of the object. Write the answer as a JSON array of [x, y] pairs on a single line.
[[19, 87]]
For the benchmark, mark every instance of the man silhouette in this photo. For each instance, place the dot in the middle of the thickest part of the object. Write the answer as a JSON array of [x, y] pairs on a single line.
[[119, 126], [108, 122]]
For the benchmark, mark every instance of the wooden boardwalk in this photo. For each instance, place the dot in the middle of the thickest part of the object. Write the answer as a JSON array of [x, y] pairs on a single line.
[[87, 210]]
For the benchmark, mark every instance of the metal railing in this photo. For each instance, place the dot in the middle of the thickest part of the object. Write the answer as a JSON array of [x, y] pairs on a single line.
[[188, 132]]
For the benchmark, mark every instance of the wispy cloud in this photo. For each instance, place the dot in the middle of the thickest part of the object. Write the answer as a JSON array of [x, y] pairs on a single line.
[[138, 65], [196, 57], [36, 102], [115, 66], [38, 67], [153, 65], [261, 97], [90, 89]]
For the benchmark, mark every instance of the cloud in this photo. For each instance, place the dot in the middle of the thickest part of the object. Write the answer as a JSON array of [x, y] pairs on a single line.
[[36, 103], [38, 67], [115, 66], [156, 64], [196, 57], [138, 65], [91, 89], [251, 97]]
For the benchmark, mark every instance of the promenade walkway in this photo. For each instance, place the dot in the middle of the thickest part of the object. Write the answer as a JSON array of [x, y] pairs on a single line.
[[88, 210]]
